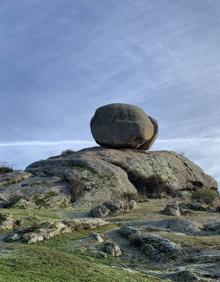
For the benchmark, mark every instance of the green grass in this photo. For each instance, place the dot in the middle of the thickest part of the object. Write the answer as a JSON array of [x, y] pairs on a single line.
[[43, 214], [200, 242], [59, 259], [38, 263], [5, 169], [206, 196], [10, 181]]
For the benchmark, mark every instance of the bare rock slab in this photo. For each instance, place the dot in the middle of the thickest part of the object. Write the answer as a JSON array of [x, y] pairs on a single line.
[[93, 176]]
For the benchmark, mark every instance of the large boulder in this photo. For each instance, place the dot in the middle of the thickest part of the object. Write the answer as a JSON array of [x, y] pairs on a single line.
[[123, 126], [93, 176]]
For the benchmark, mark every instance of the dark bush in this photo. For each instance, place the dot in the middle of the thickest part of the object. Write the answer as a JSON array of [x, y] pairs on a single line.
[[153, 187], [5, 169], [206, 196], [67, 153], [4, 216]]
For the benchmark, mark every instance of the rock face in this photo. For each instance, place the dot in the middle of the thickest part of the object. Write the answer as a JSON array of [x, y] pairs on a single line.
[[112, 208], [46, 230], [153, 246], [171, 225], [123, 126], [6, 221], [171, 209], [46, 191], [7, 179], [112, 249], [92, 176]]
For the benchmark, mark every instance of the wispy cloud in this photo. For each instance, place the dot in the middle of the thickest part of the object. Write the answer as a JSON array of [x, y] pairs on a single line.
[[161, 55], [90, 142], [188, 140], [204, 151], [45, 143]]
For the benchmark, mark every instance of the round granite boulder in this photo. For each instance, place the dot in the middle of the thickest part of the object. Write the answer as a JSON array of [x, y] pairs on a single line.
[[123, 126]]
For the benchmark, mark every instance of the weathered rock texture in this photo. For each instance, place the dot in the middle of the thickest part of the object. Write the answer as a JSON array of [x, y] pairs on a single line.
[[46, 191], [95, 175], [112, 208], [157, 248], [7, 179], [46, 230], [188, 227], [123, 126], [6, 221]]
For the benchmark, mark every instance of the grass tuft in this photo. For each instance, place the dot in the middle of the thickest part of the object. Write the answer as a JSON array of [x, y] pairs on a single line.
[[206, 196]]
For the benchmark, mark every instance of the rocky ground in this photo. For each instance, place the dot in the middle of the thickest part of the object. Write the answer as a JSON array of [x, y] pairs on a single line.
[[95, 175], [144, 244], [104, 214]]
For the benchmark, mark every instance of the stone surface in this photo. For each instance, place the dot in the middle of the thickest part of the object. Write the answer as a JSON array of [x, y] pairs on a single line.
[[123, 126], [14, 237], [175, 249], [32, 237], [213, 226], [152, 245], [24, 204], [36, 192], [171, 209], [112, 249], [112, 208], [99, 211], [47, 230], [217, 209], [6, 221], [195, 206], [185, 226], [185, 212], [7, 179], [184, 275], [115, 207], [96, 237], [132, 205], [99, 254], [92, 176]]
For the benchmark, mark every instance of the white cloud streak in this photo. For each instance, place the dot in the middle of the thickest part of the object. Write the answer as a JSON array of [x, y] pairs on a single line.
[[204, 151], [89, 142], [45, 143], [188, 140]]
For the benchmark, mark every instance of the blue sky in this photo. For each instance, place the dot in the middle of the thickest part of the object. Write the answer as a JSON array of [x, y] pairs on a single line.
[[61, 59]]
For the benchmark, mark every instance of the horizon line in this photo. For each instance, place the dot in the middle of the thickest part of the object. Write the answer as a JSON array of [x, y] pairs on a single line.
[[63, 142]]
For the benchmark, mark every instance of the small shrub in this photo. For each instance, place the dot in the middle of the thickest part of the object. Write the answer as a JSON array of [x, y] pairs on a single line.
[[4, 216], [48, 173], [130, 196], [205, 195], [153, 187], [67, 153], [158, 187], [5, 169]]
